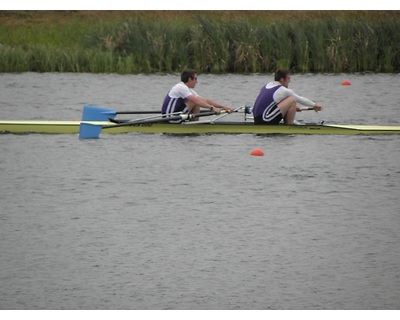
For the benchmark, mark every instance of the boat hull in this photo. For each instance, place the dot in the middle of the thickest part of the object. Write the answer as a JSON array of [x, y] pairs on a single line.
[[71, 127]]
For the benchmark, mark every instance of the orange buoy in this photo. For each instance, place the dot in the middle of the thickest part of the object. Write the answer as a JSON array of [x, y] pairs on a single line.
[[257, 152], [346, 83]]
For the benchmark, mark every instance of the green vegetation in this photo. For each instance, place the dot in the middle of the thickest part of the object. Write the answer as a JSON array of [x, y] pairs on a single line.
[[215, 41]]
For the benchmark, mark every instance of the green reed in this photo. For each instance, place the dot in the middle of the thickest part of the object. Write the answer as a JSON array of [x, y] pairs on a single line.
[[207, 42]]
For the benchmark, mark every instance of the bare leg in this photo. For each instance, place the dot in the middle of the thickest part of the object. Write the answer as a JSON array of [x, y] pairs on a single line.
[[193, 109], [288, 109]]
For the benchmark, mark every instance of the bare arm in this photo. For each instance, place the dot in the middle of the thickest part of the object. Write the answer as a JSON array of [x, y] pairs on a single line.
[[218, 105], [199, 101], [207, 103]]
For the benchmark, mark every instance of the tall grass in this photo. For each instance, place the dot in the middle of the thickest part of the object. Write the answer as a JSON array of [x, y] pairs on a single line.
[[204, 41]]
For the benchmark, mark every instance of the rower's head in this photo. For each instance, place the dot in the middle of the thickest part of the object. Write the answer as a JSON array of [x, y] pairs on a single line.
[[282, 76], [189, 77]]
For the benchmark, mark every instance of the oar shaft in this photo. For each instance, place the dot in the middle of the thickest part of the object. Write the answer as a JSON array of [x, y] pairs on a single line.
[[146, 121], [92, 131], [147, 112], [164, 118]]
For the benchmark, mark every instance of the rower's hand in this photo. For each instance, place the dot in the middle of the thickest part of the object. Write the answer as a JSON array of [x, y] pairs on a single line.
[[229, 109], [317, 107]]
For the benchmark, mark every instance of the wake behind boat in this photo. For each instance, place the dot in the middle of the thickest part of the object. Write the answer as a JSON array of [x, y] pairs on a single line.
[[103, 120]]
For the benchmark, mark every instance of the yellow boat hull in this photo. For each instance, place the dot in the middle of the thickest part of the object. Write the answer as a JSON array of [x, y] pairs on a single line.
[[71, 127]]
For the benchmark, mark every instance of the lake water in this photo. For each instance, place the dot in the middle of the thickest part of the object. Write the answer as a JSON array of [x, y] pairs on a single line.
[[138, 221]]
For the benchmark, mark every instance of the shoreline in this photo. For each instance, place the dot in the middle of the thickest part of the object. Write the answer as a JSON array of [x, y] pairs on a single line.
[[128, 42]]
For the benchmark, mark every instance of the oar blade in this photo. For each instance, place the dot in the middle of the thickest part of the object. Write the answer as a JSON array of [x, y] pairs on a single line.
[[91, 113], [89, 130]]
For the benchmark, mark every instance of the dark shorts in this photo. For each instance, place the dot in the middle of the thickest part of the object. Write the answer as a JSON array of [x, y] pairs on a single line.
[[276, 120], [273, 115]]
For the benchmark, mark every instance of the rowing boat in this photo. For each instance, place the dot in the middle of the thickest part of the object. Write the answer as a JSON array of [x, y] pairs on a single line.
[[195, 127], [95, 119]]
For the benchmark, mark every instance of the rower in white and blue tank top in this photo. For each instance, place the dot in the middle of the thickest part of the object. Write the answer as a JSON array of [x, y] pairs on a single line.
[[175, 99], [265, 109]]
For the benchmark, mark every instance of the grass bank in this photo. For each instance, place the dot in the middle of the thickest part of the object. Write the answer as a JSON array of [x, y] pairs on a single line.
[[214, 41]]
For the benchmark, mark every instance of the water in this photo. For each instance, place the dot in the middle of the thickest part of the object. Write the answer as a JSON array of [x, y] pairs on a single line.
[[140, 221]]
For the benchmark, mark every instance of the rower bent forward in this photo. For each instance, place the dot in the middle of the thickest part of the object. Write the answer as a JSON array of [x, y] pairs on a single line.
[[276, 101], [182, 97]]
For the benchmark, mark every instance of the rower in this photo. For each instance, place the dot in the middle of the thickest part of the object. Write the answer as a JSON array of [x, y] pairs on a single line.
[[182, 97], [276, 101]]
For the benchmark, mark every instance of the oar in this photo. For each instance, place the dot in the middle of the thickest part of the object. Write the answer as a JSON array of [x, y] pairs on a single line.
[[147, 118], [92, 131], [91, 113], [224, 114], [248, 111]]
